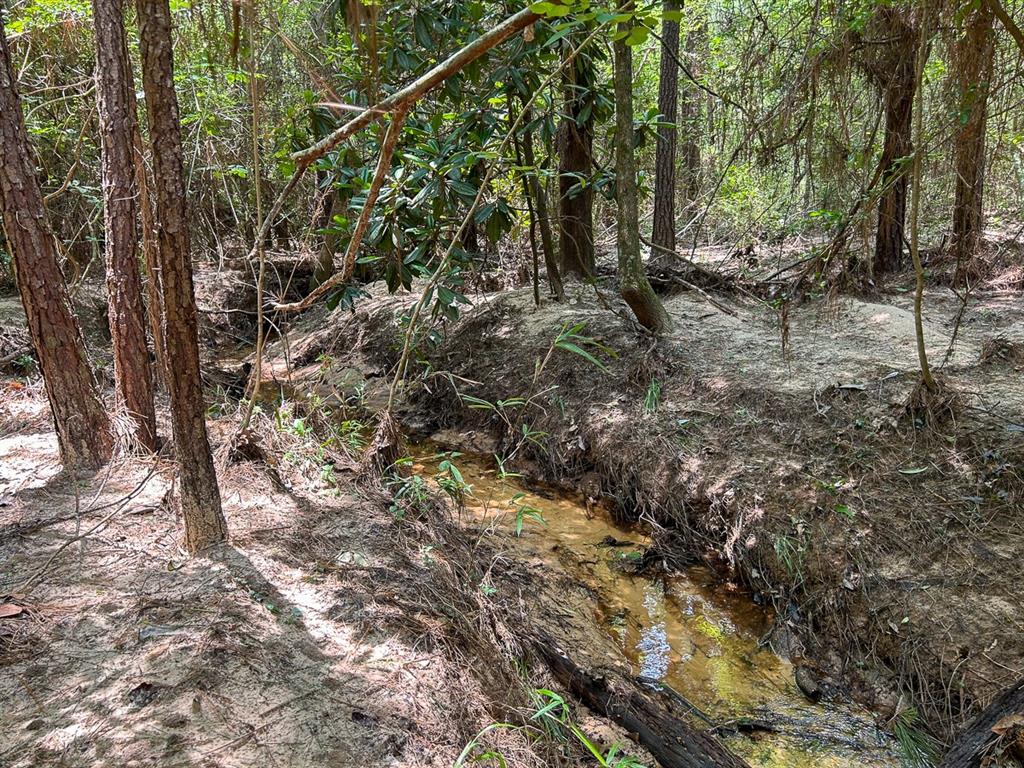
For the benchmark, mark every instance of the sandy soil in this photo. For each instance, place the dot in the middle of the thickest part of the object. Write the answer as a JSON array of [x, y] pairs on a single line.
[[305, 642]]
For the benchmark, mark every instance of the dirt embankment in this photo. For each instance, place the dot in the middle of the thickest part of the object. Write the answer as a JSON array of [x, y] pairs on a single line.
[[886, 530]]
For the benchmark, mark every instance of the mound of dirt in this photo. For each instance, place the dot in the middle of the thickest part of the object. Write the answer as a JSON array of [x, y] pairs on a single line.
[[882, 526]]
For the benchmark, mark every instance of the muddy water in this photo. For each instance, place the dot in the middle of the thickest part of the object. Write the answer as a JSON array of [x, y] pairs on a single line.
[[686, 632]]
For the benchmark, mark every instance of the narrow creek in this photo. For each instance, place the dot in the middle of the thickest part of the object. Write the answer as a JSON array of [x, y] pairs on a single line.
[[687, 631]]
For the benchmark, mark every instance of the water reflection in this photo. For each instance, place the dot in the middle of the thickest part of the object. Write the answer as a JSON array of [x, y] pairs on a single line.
[[653, 648], [687, 631]]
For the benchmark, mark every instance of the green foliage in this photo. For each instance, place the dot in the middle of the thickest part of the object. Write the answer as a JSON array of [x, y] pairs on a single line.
[[525, 512], [652, 398], [408, 492], [570, 339], [449, 479], [552, 722], [918, 748]]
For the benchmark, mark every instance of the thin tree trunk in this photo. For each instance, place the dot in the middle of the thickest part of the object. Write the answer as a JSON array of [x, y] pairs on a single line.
[[974, 70], [329, 246], [531, 211], [915, 218], [633, 284], [82, 424], [575, 149], [664, 233], [133, 379], [199, 495], [542, 210], [898, 146], [150, 247], [690, 123]]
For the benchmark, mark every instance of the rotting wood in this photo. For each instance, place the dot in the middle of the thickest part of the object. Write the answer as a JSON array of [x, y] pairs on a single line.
[[969, 749], [672, 742]]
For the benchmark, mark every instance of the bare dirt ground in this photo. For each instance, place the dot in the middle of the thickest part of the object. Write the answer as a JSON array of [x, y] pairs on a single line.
[[326, 633], [885, 527]]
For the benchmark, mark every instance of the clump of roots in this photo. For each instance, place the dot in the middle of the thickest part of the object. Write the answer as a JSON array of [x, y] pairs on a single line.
[[386, 448], [1002, 351], [932, 408]]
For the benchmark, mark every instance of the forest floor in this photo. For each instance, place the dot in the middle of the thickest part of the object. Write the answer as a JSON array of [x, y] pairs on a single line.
[[881, 521], [883, 527], [326, 633]]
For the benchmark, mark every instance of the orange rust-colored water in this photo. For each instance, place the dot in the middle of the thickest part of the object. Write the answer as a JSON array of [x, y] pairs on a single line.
[[688, 631]]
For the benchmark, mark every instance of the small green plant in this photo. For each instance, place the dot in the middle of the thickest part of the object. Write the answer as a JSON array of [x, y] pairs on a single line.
[[653, 397], [917, 747], [525, 512], [570, 339], [406, 492], [790, 549], [25, 363], [449, 479], [552, 721], [556, 713]]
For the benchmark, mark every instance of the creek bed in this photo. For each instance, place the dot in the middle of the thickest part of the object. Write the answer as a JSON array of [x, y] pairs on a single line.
[[685, 632]]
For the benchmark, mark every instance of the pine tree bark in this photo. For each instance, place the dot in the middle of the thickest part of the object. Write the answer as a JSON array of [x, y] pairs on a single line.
[[133, 379], [897, 148], [664, 233], [973, 65], [83, 427], [199, 494], [576, 149], [633, 283]]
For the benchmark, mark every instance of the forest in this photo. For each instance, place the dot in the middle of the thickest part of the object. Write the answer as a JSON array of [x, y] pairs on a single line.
[[565, 383]]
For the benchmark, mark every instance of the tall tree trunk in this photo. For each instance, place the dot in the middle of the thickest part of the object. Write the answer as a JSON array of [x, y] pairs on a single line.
[[898, 146], [664, 234], [974, 70], [133, 379], [200, 497], [633, 284], [543, 212], [83, 428], [575, 148], [150, 247], [690, 123]]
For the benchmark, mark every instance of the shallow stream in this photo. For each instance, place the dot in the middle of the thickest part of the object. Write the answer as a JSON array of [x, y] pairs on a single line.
[[687, 631]]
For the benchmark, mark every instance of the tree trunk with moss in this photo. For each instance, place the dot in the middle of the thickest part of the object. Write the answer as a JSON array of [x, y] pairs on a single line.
[[633, 284], [82, 424], [199, 494]]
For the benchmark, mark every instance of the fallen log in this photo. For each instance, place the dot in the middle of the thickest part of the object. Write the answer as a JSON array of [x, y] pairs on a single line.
[[673, 742], [971, 746]]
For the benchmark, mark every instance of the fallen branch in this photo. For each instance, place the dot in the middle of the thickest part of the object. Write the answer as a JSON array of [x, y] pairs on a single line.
[[401, 99], [969, 749], [672, 742], [387, 150]]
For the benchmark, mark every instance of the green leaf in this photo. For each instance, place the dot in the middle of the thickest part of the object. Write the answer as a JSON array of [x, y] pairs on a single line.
[[568, 346], [638, 36]]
